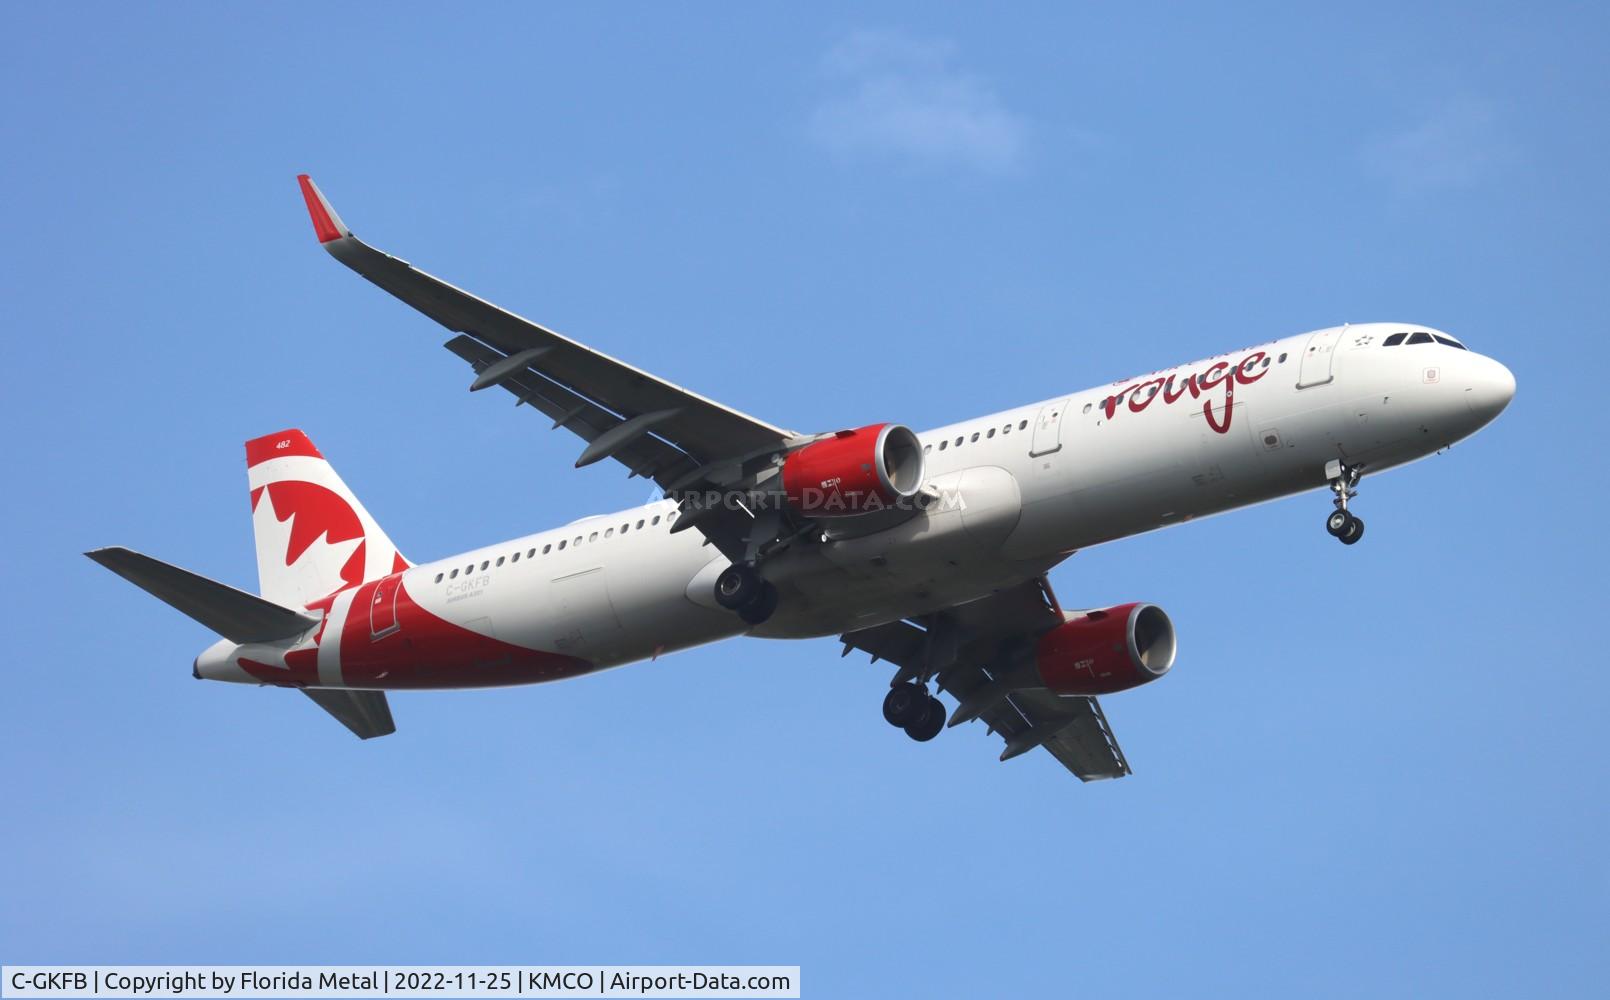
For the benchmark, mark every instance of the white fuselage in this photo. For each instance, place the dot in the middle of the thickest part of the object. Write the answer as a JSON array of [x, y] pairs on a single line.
[[1018, 491]]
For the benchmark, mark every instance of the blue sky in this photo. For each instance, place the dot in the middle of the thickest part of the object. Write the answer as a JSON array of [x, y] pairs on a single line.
[[1375, 770]]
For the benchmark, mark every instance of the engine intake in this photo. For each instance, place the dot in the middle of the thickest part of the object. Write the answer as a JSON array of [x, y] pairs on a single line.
[[1104, 651], [854, 472]]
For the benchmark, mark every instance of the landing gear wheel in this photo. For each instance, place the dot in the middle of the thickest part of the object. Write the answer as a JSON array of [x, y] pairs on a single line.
[[738, 586], [1337, 522], [931, 722], [1354, 530], [904, 705], [761, 608], [1340, 523]]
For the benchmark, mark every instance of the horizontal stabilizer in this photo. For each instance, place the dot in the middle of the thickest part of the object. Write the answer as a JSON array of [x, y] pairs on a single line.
[[364, 712], [233, 614]]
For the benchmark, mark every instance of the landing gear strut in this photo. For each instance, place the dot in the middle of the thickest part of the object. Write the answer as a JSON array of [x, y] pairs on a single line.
[[741, 588], [1342, 524], [910, 707]]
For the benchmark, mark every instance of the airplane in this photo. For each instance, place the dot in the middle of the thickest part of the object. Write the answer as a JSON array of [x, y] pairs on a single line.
[[928, 550]]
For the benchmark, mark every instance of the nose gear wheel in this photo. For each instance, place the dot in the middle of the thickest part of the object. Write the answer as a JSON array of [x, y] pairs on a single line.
[[1342, 524]]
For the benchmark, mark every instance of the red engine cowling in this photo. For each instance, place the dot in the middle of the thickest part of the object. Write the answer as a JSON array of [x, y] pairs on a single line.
[[1105, 651], [854, 472]]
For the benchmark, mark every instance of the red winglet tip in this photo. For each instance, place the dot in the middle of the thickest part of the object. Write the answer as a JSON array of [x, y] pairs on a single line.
[[325, 224]]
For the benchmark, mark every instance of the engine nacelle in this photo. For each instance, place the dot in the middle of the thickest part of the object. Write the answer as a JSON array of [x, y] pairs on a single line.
[[868, 469], [1104, 651]]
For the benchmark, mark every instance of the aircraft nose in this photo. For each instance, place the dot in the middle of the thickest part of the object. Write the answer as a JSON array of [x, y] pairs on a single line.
[[1489, 388]]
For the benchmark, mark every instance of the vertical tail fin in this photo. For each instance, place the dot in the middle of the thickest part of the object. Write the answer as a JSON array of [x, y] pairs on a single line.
[[313, 536]]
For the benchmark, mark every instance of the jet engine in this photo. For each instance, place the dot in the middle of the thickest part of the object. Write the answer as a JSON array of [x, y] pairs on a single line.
[[1114, 649], [854, 472]]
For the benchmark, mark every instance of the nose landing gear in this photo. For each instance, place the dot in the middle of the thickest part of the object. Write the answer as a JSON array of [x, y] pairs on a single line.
[[1342, 524]]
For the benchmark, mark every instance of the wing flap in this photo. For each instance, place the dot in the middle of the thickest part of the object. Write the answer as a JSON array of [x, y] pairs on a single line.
[[647, 455], [1081, 739]]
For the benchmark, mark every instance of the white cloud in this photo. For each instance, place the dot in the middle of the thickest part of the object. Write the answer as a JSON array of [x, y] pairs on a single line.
[[899, 96], [1457, 146]]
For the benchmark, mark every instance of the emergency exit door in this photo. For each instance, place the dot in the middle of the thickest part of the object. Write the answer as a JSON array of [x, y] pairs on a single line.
[[1048, 428]]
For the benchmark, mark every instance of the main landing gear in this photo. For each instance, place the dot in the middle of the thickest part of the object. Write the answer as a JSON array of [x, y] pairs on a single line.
[[1342, 524], [741, 588], [909, 706]]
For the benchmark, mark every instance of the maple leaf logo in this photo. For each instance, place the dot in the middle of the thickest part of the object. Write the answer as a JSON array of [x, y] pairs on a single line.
[[312, 533]]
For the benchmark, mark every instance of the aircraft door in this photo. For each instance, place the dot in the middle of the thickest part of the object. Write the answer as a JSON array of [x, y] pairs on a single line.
[[383, 607], [1318, 357], [1048, 428]]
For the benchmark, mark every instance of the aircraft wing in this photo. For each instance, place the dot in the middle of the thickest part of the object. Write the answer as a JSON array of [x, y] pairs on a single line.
[[658, 430], [967, 649]]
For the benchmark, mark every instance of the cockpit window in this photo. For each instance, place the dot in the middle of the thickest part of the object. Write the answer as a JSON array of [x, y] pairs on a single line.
[[1420, 338], [1452, 343], [1394, 340]]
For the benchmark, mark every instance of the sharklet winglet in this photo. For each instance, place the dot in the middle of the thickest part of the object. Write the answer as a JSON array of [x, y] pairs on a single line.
[[327, 225]]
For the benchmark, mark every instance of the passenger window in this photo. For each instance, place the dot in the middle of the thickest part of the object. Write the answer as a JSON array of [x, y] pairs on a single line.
[[533, 553], [1022, 425], [561, 545], [1282, 359], [656, 519], [1452, 343], [943, 445], [1087, 408], [577, 541], [959, 441], [484, 565], [991, 432], [1007, 429], [1420, 338], [1394, 340], [515, 558], [639, 525], [549, 547], [500, 560], [975, 435], [438, 578], [469, 569], [453, 575], [927, 448], [1265, 363], [608, 533]]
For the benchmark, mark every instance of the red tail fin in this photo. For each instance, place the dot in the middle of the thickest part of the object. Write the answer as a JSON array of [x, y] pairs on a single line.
[[313, 535]]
